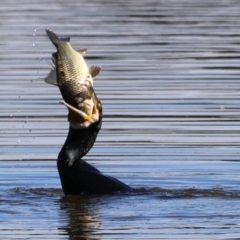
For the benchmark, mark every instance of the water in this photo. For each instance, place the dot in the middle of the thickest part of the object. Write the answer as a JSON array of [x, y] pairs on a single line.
[[170, 92]]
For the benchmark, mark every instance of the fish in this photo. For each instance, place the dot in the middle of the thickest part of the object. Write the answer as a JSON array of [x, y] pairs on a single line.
[[83, 119], [70, 73]]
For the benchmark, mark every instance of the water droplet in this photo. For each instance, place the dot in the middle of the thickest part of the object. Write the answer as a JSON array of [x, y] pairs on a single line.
[[33, 44], [19, 141]]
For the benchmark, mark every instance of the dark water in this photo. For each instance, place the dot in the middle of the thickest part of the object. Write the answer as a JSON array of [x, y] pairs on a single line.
[[170, 91]]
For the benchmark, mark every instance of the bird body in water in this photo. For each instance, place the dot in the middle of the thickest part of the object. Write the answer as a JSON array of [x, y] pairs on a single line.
[[85, 120], [78, 176]]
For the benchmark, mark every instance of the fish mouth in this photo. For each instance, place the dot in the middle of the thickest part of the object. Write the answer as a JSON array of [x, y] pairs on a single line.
[[78, 118]]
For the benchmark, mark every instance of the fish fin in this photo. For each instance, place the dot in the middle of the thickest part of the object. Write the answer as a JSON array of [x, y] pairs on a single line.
[[54, 37], [52, 76], [54, 58], [82, 51], [64, 39], [94, 70]]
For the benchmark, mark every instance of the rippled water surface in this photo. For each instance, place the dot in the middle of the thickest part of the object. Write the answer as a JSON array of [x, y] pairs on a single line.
[[170, 91]]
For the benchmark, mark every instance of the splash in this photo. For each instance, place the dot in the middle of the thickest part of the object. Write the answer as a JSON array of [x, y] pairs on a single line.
[[42, 56], [218, 192]]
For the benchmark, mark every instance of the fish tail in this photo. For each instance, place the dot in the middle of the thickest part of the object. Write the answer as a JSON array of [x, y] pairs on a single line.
[[55, 39]]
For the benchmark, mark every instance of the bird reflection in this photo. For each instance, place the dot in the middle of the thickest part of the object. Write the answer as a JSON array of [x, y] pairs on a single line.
[[80, 215]]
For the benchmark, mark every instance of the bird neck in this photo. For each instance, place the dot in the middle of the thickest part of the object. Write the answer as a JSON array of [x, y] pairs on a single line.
[[78, 143]]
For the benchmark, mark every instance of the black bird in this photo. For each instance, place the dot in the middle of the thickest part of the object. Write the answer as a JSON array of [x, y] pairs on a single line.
[[78, 176]]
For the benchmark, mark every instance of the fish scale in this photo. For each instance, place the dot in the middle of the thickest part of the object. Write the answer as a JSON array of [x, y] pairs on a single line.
[[71, 66], [76, 95], [72, 75]]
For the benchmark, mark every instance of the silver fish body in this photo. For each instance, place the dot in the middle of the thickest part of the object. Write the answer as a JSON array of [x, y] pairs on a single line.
[[71, 74]]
